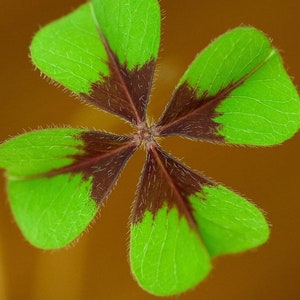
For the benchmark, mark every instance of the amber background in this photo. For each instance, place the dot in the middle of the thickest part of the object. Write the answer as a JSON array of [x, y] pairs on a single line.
[[97, 266]]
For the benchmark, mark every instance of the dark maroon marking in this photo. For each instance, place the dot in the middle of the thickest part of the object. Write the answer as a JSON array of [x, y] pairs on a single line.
[[192, 116], [104, 157], [165, 180], [124, 92]]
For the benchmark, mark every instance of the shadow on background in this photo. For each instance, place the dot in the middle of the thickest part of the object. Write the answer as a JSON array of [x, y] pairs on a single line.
[[97, 266]]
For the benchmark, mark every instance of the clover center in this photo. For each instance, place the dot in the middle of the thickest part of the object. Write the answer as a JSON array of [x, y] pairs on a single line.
[[145, 135]]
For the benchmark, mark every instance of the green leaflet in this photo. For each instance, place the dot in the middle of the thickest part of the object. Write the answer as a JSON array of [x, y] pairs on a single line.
[[262, 106], [169, 256], [227, 222], [57, 179], [52, 212], [180, 220], [132, 28], [39, 151], [70, 51], [166, 255]]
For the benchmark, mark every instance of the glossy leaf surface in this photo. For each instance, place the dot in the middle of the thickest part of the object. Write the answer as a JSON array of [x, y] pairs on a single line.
[[57, 178], [180, 219], [236, 91], [52, 212], [70, 51], [132, 29], [166, 256], [38, 152], [227, 222]]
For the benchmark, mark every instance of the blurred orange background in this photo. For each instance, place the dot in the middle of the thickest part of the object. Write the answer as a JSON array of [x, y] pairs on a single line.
[[97, 266]]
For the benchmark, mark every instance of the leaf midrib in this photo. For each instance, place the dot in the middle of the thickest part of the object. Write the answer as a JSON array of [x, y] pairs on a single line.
[[78, 166], [180, 202], [112, 59]]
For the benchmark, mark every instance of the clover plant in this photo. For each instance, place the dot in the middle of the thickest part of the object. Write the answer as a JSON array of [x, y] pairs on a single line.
[[236, 91]]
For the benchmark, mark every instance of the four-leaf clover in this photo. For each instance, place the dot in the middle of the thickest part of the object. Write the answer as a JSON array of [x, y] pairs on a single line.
[[235, 92]]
